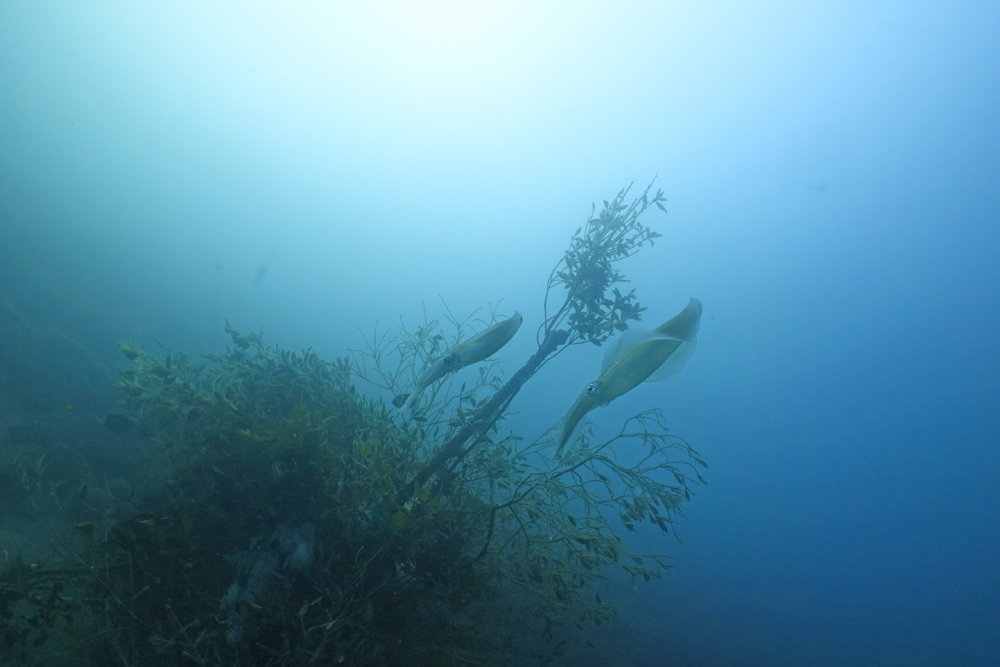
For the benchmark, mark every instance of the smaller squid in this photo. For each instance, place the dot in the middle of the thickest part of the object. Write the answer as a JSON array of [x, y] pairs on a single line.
[[637, 356], [481, 346]]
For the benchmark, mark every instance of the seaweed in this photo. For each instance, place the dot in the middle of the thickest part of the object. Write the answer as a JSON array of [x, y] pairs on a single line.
[[296, 520]]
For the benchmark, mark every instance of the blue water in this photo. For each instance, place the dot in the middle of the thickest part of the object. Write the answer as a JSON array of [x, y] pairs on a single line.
[[832, 174]]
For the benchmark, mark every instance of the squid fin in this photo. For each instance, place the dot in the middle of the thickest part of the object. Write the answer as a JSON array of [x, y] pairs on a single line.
[[626, 342], [674, 363]]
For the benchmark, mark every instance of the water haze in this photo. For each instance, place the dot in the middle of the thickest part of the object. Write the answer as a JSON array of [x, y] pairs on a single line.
[[316, 168]]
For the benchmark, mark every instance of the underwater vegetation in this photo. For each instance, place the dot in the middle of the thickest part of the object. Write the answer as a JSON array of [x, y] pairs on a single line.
[[292, 519]]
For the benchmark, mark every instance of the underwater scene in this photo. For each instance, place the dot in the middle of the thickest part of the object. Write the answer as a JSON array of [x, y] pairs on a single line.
[[446, 333]]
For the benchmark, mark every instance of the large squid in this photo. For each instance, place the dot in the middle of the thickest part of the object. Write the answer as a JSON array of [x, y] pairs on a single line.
[[637, 356], [481, 346]]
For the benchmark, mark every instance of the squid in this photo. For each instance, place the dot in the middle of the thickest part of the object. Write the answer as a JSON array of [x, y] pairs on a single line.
[[637, 356], [481, 346]]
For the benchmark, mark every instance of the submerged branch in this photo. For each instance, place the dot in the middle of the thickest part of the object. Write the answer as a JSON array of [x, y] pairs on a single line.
[[485, 416]]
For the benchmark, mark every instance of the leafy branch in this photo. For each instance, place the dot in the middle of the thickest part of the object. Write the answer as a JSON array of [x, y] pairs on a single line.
[[559, 524], [594, 307], [589, 312]]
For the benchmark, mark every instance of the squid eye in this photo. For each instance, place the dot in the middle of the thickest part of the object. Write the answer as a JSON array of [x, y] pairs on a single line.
[[449, 359], [592, 388]]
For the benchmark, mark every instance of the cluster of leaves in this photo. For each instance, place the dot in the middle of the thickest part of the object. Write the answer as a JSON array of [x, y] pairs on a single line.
[[256, 438], [594, 307], [34, 606]]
